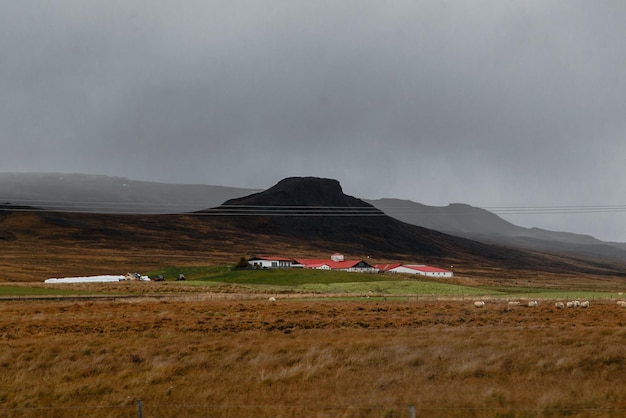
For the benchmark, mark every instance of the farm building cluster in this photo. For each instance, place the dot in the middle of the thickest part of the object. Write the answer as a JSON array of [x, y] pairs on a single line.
[[338, 262]]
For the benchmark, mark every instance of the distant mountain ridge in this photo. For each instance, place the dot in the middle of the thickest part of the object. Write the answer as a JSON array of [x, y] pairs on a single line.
[[481, 225], [106, 194], [459, 218], [262, 223]]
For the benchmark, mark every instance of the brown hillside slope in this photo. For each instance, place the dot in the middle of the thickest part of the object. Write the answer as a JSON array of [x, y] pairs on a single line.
[[297, 217]]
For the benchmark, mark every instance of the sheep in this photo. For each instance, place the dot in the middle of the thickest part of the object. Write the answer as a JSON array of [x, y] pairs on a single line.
[[272, 299], [570, 304], [514, 303], [584, 304], [479, 303], [576, 304], [532, 303], [621, 303], [559, 305]]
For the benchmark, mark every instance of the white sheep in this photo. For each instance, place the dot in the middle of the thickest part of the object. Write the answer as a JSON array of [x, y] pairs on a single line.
[[570, 304], [479, 303], [272, 299], [584, 304], [576, 304], [514, 303], [532, 303], [559, 305], [621, 303]]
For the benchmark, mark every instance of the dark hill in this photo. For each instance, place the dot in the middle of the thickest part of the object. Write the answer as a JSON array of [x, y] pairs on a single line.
[[303, 191], [316, 210], [296, 217], [481, 225]]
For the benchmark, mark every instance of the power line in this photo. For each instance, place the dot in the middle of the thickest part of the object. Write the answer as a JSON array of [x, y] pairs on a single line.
[[512, 210], [107, 207], [218, 212], [223, 210]]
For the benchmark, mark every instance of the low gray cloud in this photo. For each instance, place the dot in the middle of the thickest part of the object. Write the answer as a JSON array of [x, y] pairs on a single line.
[[491, 103]]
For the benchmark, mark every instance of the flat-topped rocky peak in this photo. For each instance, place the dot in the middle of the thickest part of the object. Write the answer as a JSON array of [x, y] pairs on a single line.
[[302, 191]]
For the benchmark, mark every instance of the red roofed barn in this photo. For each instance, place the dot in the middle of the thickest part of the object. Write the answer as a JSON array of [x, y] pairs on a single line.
[[421, 269]]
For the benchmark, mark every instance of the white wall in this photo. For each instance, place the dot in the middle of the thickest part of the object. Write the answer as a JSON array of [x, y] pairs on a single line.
[[408, 270], [267, 264]]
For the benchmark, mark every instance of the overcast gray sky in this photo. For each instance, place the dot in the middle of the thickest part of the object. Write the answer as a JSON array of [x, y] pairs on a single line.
[[490, 103]]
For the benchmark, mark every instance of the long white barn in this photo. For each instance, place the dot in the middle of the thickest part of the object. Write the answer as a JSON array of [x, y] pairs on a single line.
[[421, 269]]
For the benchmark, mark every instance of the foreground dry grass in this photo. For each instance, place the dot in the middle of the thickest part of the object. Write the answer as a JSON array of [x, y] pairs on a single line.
[[248, 358]]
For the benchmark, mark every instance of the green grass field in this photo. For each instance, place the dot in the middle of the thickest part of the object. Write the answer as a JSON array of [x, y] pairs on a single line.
[[319, 281], [37, 291], [337, 283], [275, 277]]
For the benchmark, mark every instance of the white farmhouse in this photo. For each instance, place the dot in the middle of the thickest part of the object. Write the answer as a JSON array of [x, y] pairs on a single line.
[[272, 262], [337, 257]]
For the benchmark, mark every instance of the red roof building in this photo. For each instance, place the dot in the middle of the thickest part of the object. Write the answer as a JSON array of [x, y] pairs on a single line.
[[421, 269], [343, 265]]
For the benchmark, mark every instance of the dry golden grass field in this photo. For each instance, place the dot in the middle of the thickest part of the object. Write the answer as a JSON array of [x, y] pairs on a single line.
[[211, 351], [216, 355]]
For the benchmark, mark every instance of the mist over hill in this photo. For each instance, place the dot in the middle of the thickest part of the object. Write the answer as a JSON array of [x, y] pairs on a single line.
[[106, 194], [481, 225], [463, 219]]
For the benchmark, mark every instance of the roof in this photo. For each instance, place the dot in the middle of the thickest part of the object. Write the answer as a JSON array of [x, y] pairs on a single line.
[[336, 265], [426, 269], [385, 267], [345, 264]]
